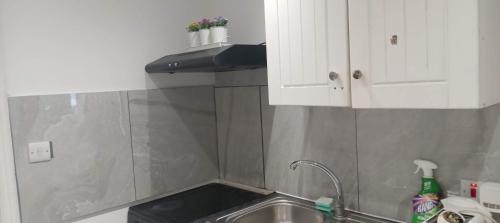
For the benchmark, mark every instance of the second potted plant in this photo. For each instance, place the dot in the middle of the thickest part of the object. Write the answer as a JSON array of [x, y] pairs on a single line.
[[218, 30], [205, 31]]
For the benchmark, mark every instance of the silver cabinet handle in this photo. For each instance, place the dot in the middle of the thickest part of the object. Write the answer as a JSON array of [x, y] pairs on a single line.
[[357, 75], [333, 76]]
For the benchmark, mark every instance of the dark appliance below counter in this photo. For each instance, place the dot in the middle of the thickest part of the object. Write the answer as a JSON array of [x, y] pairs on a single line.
[[192, 205]]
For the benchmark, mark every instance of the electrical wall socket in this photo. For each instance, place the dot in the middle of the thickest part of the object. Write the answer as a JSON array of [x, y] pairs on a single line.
[[39, 152], [465, 188]]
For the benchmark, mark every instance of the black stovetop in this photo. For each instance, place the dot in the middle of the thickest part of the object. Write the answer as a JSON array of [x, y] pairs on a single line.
[[191, 205]]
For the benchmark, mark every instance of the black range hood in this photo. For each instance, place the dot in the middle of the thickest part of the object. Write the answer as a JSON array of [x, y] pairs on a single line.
[[218, 59]]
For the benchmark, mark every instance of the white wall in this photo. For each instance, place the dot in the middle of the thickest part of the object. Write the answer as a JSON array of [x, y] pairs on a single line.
[[9, 207], [247, 21], [62, 46]]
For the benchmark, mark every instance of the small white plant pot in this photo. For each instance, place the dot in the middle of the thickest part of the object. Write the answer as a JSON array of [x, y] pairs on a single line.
[[205, 36], [218, 34], [194, 39]]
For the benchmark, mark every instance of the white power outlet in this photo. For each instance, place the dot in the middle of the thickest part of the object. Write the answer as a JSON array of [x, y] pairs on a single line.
[[39, 152]]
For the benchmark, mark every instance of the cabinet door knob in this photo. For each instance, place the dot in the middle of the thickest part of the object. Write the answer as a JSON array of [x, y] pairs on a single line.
[[357, 75], [394, 40], [333, 76]]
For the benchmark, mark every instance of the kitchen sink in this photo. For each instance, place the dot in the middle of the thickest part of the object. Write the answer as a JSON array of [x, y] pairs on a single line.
[[280, 211], [286, 209]]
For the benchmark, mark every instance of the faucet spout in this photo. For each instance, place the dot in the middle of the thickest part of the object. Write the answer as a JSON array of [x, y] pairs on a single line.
[[339, 210]]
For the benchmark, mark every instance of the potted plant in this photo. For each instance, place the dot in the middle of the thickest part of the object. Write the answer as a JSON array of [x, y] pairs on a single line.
[[193, 34], [205, 25], [218, 30]]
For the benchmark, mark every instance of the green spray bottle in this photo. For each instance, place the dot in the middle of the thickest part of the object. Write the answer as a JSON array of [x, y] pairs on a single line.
[[428, 201]]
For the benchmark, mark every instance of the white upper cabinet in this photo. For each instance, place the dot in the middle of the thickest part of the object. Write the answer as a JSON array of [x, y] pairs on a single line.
[[403, 53], [400, 48], [307, 42], [419, 53]]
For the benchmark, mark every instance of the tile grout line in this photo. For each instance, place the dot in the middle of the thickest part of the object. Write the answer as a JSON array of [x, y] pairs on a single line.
[[357, 154], [259, 88], [131, 143], [217, 135]]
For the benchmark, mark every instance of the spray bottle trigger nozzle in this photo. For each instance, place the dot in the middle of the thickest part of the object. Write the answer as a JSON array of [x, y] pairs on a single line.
[[418, 169], [426, 166]]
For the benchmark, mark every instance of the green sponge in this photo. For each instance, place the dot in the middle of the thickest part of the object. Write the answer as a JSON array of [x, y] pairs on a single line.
[[324, 204]]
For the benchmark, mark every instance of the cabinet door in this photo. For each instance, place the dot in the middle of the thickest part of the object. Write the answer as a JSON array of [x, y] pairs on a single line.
[[307, 42], [400, 49]]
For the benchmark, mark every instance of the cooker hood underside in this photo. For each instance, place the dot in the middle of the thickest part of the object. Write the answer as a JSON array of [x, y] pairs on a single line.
[[219, 59]]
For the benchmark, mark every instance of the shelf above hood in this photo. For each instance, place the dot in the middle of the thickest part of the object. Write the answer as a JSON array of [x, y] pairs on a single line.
[[218, 59]]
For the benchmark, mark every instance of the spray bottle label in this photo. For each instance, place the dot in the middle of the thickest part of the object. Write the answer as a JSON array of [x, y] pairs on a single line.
[[425, 206]]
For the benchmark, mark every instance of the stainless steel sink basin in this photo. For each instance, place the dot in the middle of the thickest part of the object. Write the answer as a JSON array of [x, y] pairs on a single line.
[[280, 211], [285, 209]]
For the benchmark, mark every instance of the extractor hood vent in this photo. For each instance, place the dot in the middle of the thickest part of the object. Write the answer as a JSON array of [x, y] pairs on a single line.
[[218, 59]]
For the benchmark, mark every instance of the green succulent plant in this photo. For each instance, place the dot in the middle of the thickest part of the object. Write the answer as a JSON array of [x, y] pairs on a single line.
[[193, 27]]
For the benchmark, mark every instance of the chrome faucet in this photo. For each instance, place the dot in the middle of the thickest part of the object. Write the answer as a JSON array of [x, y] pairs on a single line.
[[338, 207]]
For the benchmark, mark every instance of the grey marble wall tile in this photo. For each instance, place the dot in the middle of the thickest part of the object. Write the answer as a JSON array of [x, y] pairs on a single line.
[[240, 135], [92, 165], [464, 143], [326, 135], [241, 78], [174, 139]]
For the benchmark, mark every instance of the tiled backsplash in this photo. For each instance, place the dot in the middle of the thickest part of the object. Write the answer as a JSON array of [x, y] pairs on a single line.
[[372, 150], [464, 143], [174, 139], [172, 133], [167, 140], [92, 165], [240, 135], [313, 133]]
